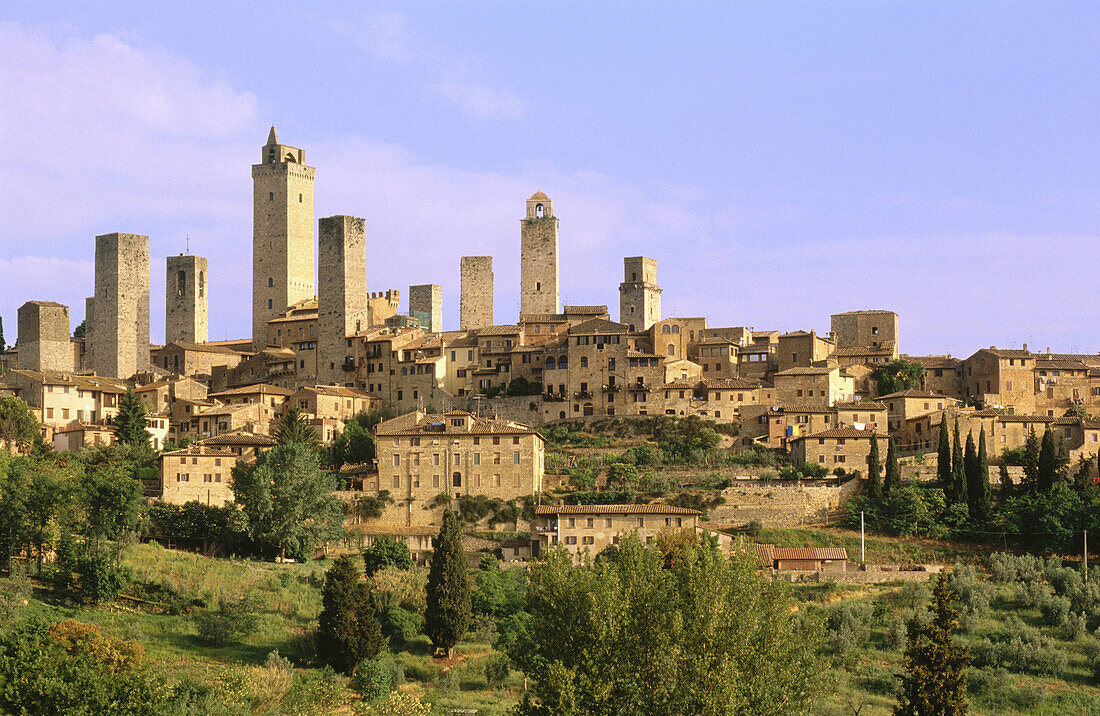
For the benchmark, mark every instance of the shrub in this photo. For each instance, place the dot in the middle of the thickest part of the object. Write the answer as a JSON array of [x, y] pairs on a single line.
[[1065, 580], [100, 579], [1019, 648], [375, 678], [876, 680], [897, 633], [1032, 595], [911, 595], [974, 594], [987, 681], [313, 691], [401, 625], [386, 552], [754, 528], [497, 668], [398, 704], [1074, 627], [849, 624], [1055, 611], [232, 619], [270, 682], [813, 469]]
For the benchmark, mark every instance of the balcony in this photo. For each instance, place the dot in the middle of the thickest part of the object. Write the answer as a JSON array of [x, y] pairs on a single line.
[[545, 529], [613, 388], [348, 364], [645, 387], [552, 396], [582, 394]]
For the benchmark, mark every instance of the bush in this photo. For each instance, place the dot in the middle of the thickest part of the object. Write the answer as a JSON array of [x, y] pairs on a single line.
[[386, 552], [375, 678], [897, 633], [1008, 568], [401, 625], [398, 704], [987, 681], [754, 528], [814, 469], [1032, 595], [313, 691], [1055, 611], [497, 668], [849, 625], [1074, 626], [100, 580], [974, 595], [1019, 648], [911, 595], [232, 619]]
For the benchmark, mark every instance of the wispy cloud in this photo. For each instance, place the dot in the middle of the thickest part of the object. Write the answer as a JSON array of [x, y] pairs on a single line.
[[388, 36]]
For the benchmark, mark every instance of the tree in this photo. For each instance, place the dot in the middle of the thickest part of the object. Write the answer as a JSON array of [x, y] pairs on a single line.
[[970, 470], [448, 614], [935, 680], [386, 552], [130, 423], [18, 426], [354, 446], [958, 469], [287, 500], [943, 459], [701, 634], [3, 345], [978, 490], [1031, 461], [113, 503], [1006, 483], [874, 471], [1048, 462], [897, 375], [893, 473], [293, 427], [348, 630], [80, 330]]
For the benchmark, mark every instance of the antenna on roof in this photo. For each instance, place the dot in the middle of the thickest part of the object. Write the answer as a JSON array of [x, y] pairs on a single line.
[[187, 238]]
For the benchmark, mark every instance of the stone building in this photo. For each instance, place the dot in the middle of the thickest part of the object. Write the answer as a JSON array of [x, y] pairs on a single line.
[[593, 528], [44, 343], [382, 305], [639, 294], [538, 257], [1001, 378], [802, 349], [475, 307], [58, 399], [185, 300], [942, 374], [845, 448], [815, 386], [341, 297], [118, 340], [426, 306], [198, 359], [331, 402], [282, 234], [866, 329], [198, 473]]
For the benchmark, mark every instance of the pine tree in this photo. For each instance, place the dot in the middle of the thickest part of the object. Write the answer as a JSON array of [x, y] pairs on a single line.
[[130, 423], [1031, 461], [1006, 483], [448, 614], [981, 487], [347, 629], [3, 345], [943, 460], [893, 474], [970, 470], [293, 427], [874, 471], [935, 680], [1048, 462], [958, 471]]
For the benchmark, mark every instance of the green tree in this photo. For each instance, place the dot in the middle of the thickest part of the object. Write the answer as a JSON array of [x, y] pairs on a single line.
[[48, 501], [386, 552], [622, 474], [14, 486], [874, 471], [348, 631], [897, 375], [1032, 449], [642, 634], [935, 680], [287, 500], [354, 446], [3, 345], [978, 489], [18, 426], [293, 427], [943, 459], [81, 329], [958, 469], [1006, 483], [448, 614], [893, 473], [130, 423], [970, 470], [113, 505], [1048, 462]]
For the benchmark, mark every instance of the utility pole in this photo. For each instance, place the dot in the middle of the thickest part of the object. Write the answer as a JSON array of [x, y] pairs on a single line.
[[1085, 533], [862, 542]]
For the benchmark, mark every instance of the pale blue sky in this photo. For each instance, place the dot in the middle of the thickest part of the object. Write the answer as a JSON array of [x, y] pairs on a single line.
[[782, 161]]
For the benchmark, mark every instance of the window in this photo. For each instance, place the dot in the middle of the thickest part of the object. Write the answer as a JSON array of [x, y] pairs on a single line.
[[572, 521], [641, 522], [588, 539], [590, 523], [435, 480], [270, 282], [607, 522], [477, 458], [397, 481], [396, 460], [584, 361], [570, 540], [456, 480]]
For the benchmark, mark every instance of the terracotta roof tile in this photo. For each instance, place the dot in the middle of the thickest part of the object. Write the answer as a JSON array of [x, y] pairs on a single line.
[[651, 509]]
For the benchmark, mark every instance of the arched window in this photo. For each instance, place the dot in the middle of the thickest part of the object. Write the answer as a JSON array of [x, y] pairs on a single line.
[[202, 284], [550, 364], [666, 328], [538, 210], [675, 329], [563, 363], [271, 196], [671, 349], [181, 282]]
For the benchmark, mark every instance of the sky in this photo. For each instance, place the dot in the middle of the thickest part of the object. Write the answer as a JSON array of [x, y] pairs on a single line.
[[782, 161]]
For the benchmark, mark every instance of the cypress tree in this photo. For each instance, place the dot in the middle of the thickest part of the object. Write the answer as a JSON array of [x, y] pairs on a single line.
[[1031, 461], [935, 680], [958, 471], [893, 474], [347, 630], [1006, 483], [294, 427], [943, 459], [1048, 462], [3, 346], [981, 502], [970, 470], [874, 470], [448, 605], [130, 424]]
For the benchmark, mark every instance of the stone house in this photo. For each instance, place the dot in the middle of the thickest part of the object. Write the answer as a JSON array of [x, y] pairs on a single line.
[[813, 386], [802, 349], [1001, 378], [58, 399], [718, 399], [197, 473], [718, 357], [866, 329], [912, 403], [862, 415], [462, 360], [593, 528], [159, 395], [1060, 384], [846, 448], [676, 338], [808, 559], [942, 375], [243, 445], [331, 402], [273, 396], [189, 359]]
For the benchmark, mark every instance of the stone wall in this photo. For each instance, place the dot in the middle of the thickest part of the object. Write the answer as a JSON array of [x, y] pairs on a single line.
[[782, 505], [476, 301], [44, 337], [427, 301], [120, 336], [538, 257], [341, 294], [185, 300]]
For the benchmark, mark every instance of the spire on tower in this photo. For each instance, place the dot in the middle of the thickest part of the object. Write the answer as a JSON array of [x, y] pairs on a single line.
[[272, 138]]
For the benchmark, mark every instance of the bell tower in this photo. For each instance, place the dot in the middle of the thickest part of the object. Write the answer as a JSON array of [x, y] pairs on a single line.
[[538, 257], [282, 233]]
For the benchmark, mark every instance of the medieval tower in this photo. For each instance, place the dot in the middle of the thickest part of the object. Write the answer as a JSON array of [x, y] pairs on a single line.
[[475, 307], [282, 234], [639, 294], [119, 322], [426, 305], [44, 337], [538, 257], [185, 301], [341, 296]]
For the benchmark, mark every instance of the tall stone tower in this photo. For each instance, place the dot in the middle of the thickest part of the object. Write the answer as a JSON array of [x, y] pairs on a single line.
[[119, 323], [341, 294], [426, 304], [185, 300], [475, 306], [44, 337], [538, 257], [639, 294], [282, 233]]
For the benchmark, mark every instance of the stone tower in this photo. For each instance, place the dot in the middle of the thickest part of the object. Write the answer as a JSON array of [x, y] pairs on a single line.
[[44, 337], [475, 306], [119, 325], [185, 300], [426, 305], [282, 233], [341, 295], [639, 294], [538, 257]]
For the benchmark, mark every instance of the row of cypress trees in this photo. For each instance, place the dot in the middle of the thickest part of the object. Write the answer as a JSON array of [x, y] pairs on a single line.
[[963, 473]]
